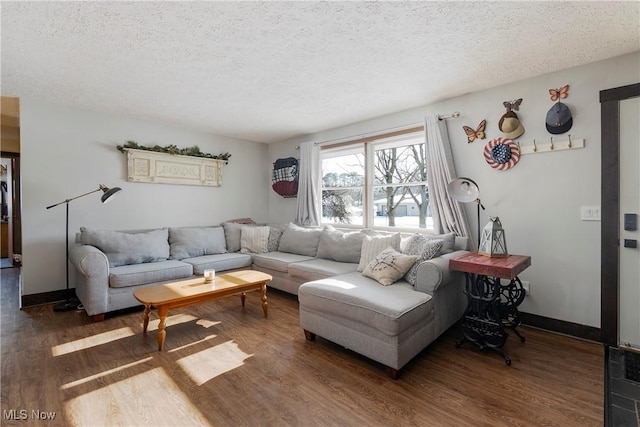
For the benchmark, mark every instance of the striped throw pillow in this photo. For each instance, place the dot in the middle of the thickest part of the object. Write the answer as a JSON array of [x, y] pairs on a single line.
[[373, 245], [254, 239]]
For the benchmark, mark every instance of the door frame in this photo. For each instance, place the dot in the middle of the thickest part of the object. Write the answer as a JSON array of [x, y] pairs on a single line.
[[610, 211], [15, 221]]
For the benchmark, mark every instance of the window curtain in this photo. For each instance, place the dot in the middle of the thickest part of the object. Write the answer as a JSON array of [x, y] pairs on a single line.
[[448, 215], [309, 185]]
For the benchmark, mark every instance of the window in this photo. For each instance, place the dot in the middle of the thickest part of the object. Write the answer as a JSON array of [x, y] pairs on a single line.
[[343, 185], [380, 182]]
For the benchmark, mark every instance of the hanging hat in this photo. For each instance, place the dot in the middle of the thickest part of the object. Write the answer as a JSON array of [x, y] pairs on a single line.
[[501, 153], [510, 125], [559, 119]]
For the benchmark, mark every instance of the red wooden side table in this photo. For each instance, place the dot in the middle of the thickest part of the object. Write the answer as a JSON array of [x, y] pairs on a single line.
[[492, 305]]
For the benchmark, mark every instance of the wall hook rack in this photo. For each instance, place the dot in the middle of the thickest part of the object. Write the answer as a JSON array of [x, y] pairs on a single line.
[[538, 147]]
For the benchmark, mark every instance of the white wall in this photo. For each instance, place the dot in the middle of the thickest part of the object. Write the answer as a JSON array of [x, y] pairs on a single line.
[[67, 152], [538, 201]]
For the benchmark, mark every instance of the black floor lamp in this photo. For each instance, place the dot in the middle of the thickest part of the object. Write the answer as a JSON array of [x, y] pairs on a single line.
[[465, 190], [69, 304]]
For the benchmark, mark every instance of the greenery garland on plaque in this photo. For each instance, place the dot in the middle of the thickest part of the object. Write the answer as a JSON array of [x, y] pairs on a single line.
[[172, 149]]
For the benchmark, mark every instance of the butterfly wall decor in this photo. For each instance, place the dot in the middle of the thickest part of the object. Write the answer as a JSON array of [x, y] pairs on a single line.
[[512, 105], [561, 93], [477, 133]]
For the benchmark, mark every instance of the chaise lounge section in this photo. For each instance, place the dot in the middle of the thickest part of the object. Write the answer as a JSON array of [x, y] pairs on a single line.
[[388, 324]]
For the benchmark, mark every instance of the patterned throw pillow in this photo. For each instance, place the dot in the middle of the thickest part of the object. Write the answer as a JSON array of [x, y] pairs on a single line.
[[373, 245], [424, 248], [275, 233], [389, 266], [254, 239]]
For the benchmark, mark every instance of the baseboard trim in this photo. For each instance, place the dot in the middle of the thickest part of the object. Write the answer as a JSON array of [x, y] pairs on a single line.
[[562, 326], [44, 298]]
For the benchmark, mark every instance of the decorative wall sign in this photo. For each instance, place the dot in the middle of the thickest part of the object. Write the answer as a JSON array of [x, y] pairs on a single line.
[[160, 168]]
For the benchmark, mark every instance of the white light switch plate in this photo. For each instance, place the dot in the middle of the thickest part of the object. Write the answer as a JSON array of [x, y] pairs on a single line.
[[590, 213]]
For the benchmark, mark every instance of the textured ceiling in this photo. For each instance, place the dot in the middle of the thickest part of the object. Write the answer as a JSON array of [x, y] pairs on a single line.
[[268, 71]]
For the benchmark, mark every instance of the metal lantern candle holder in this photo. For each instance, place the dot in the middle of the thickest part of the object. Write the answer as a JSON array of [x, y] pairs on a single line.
[[492, 242]]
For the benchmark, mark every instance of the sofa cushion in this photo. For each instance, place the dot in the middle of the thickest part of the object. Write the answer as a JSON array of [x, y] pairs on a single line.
[[254, 239], [373, 245], [278, 261], [122, 248], [319, 268], [219, 262], [339, 246], [142, 274], [232, 232], [389, 309], [422, 247], [300, 240], [389, 266], [189, 242]]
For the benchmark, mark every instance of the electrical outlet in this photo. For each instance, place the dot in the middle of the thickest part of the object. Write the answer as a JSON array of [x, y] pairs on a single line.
[[527, 286]]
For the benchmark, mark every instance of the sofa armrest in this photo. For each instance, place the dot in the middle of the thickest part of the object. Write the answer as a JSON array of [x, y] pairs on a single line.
[[434, 273], [92, 282], [89, 260]]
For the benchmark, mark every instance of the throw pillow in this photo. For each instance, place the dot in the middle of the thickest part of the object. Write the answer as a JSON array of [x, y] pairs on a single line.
[[254, 239], [389, 266], [373, 245], [422, 247], [190, 242], [449, 240], [128, 248], [300, 240], [275, 233], [339, 246]]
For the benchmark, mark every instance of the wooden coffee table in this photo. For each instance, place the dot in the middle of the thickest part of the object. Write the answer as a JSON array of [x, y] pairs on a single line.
[[192, 291]]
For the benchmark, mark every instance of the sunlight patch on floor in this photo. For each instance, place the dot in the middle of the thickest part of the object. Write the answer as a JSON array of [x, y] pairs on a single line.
[[208, 364], [103, 373], [92, 341], [207, 323], [171, 320], [123, 402], [208, 337]]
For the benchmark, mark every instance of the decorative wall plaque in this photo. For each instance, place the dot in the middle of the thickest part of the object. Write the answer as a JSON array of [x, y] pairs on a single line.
[[162, 168]]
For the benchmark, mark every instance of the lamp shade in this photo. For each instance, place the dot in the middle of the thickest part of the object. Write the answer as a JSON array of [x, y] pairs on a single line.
[[108, 192], [492, 242], [464, 190]]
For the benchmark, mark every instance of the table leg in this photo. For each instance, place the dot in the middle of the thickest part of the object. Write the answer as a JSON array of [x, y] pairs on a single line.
[[243, 296], [263, 290], [145, 318], [163, 310]]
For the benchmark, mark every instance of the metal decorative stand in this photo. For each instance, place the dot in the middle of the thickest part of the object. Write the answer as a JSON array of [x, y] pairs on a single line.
[[492, 303], [482, 323]]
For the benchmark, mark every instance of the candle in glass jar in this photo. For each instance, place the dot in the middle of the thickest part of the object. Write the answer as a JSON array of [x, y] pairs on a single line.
[[209, 275]]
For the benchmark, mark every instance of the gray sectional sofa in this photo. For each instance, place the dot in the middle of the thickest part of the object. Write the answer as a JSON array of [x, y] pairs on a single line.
[[350, 284]]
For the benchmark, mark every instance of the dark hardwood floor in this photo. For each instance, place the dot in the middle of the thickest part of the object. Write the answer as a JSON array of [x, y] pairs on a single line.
[[227, 366]]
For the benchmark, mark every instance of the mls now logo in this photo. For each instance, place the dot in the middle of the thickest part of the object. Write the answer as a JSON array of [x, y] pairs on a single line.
[[23, 414], [15, 414]]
